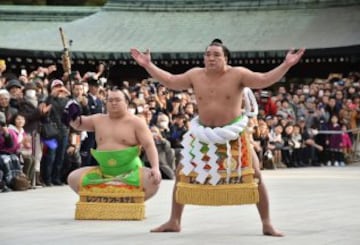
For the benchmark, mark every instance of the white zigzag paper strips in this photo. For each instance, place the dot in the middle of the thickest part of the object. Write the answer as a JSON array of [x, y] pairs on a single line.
[[198, 135]]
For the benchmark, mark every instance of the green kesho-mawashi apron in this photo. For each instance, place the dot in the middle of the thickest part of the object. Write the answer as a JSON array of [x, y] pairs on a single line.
[[115, 165]]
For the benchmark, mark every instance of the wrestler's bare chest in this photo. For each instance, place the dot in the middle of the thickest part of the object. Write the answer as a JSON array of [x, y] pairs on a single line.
[[222, 89], [119, 133]]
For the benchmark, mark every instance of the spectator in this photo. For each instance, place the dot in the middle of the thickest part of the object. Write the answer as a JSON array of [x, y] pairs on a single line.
[[276, 143], [5, 107], [190, 110], [10, 166], [261, 135], [28, 107], [96, 105], [166, 155], [53, 158], [177, 130], [296, 143], [286, 111], [331, 109], [267, 104], [348, 115], [346, 144], [79, 95], [23, 144], [287, 149], [15, 90], [162, 124], [335, 144], [312, 148]]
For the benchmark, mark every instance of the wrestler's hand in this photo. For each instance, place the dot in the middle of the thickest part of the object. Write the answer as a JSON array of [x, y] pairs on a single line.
[[156, 175], [292, 57], [141, 58]]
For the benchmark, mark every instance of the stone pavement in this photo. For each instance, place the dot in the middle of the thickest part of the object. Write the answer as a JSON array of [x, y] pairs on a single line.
[[311, 205]]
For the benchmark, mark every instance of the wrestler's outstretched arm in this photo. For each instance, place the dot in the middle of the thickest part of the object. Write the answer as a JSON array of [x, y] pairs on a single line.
[[169, 80], [259, 80], [84, 123]]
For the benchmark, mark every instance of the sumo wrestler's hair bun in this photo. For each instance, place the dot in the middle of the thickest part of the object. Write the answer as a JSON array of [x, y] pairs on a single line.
[[217, 40]]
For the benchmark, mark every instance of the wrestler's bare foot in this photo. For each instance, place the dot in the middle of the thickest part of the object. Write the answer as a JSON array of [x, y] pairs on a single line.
[[269, 230], [167, 227]]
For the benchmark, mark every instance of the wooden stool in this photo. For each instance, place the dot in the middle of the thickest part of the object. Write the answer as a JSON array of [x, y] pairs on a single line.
[[238, 191], [110, 202]]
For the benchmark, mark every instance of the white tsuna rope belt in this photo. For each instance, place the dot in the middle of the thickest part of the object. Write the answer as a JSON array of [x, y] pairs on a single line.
[[211, 136]]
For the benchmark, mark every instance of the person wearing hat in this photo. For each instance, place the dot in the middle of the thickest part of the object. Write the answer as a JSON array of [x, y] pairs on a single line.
[[15, 89], [267, 104], [95, 105], [51, 166]]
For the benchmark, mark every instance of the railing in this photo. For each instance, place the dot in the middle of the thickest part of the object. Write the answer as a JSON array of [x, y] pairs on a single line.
[[354, 155]]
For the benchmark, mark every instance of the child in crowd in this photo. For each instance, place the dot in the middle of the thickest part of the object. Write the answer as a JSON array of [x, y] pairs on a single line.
[[346, 143], [335, 144]]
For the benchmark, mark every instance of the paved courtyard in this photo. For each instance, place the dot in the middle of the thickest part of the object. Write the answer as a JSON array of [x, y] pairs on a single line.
[[311, 205]]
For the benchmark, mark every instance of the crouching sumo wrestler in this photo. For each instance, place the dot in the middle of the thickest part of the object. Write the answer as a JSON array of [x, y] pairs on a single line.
[[120, 184]]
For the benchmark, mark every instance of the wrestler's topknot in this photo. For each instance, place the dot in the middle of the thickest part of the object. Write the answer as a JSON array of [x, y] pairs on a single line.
[[119, 88], [218, 42]]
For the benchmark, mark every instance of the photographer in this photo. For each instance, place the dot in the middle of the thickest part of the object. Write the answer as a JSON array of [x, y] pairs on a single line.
[[53, 158], [165, 152], [10, 167], [177, 129]]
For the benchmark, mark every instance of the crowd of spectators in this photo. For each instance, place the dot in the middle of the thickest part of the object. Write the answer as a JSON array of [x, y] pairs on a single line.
[[299, 124]]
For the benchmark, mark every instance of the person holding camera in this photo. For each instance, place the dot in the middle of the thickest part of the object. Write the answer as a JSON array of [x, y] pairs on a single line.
[[52, 161], [178, 128], [165, 152], [10, 165]]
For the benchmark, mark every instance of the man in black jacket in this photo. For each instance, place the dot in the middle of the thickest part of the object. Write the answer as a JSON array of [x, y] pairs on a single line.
[[95, 106], [52, 161]]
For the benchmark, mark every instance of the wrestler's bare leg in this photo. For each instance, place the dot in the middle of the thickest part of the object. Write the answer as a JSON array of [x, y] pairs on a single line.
[[150, 187], [174, 223], [75, 176], [263, 205]]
